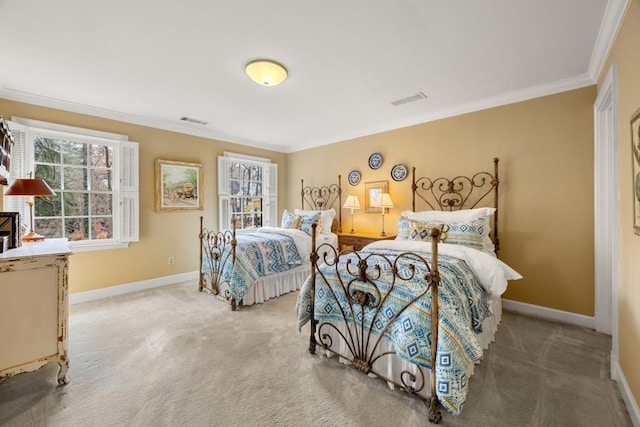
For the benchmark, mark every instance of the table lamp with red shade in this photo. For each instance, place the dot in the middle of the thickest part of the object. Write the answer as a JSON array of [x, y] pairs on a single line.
[[30, 187]]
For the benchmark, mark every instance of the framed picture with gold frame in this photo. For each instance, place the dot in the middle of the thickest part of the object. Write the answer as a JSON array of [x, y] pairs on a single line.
[[10, 226], [373, 189], [635, 169], [178, 185]]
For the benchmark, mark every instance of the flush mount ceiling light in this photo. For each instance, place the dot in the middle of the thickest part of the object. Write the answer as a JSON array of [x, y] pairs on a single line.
[[266, 72]]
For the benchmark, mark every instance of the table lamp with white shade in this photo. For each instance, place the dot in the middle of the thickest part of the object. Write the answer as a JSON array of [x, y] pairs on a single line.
[[383, 201], [352, 203]]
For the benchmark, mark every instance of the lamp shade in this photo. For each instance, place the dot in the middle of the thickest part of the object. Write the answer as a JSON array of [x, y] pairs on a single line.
[[352, 202], [29, 187], [266, 72], [383, 200]]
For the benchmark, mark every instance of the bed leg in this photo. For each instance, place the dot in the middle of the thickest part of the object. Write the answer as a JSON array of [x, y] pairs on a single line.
[[234, 305], [435, 412], [313, 258], [312, 345]]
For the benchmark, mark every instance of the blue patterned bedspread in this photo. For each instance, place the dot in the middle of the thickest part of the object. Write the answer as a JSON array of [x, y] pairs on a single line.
[[257, 255], [463, 305]]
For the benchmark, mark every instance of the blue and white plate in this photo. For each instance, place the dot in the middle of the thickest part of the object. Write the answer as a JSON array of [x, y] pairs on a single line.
[[399, 172], [354, 177], [375, 160]]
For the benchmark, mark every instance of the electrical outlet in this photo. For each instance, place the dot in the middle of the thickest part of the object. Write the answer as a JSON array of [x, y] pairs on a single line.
[[171, 260]]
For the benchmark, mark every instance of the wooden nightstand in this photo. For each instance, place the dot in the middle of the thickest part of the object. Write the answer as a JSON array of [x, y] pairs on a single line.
[[357, 241]]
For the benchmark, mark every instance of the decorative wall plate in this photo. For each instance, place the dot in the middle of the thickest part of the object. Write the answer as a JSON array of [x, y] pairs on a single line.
[[354, 177], [399, 172], [375, 160]]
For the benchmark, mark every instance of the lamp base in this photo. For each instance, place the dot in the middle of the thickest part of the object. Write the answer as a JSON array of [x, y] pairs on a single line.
[[32, 237]]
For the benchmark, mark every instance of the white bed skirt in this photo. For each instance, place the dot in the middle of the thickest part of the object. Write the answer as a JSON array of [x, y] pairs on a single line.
[[392, 366], [274, 285]]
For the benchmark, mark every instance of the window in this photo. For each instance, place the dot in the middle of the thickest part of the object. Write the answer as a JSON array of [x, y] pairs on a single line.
[[94, 175], [247, 191]]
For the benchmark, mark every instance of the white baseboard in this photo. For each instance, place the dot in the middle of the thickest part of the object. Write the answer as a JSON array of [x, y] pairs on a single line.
[[627, 395], [549, 313], [86, 296]]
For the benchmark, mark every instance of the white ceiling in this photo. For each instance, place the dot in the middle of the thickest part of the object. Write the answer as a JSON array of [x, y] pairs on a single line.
[[152, 62]]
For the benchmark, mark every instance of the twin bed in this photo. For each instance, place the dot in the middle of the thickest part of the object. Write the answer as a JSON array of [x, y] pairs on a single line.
[[250, 266], [417, 311]]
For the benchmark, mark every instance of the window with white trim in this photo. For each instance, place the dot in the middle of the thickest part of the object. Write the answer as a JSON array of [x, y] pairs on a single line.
[[247, 191], [94, 175]]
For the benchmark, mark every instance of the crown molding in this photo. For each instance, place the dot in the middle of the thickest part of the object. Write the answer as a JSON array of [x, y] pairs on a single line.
[[483, 104], [43, 101], [611, 21]]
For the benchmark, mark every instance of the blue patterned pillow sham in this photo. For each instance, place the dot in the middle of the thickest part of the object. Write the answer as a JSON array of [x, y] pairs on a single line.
[[308, 220], [404, 225], [290, 220], [422, 231], [467, 233], [450, 217]]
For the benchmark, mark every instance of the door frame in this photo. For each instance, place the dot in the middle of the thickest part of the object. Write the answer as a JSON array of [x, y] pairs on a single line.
[[606, 209]]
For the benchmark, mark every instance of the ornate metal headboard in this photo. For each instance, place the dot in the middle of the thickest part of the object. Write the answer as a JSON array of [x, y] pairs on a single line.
[[324, 197], [461, 192]]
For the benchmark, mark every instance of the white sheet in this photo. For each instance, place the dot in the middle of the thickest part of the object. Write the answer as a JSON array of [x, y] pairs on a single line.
[[492, 273], [302, 239]]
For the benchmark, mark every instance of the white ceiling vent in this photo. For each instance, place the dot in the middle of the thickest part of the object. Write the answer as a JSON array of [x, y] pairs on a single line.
[[418, 96], [190, 120]]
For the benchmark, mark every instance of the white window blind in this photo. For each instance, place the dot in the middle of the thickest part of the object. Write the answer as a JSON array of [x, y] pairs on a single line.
[[107, 167]]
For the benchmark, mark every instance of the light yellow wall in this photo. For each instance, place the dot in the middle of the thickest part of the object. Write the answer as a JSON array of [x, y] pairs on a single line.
[[161, 234], [626, 53], [545, 148]]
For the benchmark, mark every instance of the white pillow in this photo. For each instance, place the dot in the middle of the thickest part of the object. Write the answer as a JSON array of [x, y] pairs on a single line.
[[450, 216], [326, 218], [447, 217]]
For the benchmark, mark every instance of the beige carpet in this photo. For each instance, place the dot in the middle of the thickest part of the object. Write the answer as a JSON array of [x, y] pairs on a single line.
[[175, 357]]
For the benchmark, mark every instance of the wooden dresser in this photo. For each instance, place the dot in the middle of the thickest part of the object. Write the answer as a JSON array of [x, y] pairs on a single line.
[[34, 307], [357, 241]]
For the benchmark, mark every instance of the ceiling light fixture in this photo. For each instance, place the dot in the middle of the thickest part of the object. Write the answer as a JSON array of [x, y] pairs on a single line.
[[266, 72]]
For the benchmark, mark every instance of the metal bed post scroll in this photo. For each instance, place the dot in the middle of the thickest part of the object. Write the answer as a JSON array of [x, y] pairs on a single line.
[[215, 244], [324, 197], [362, 297]]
